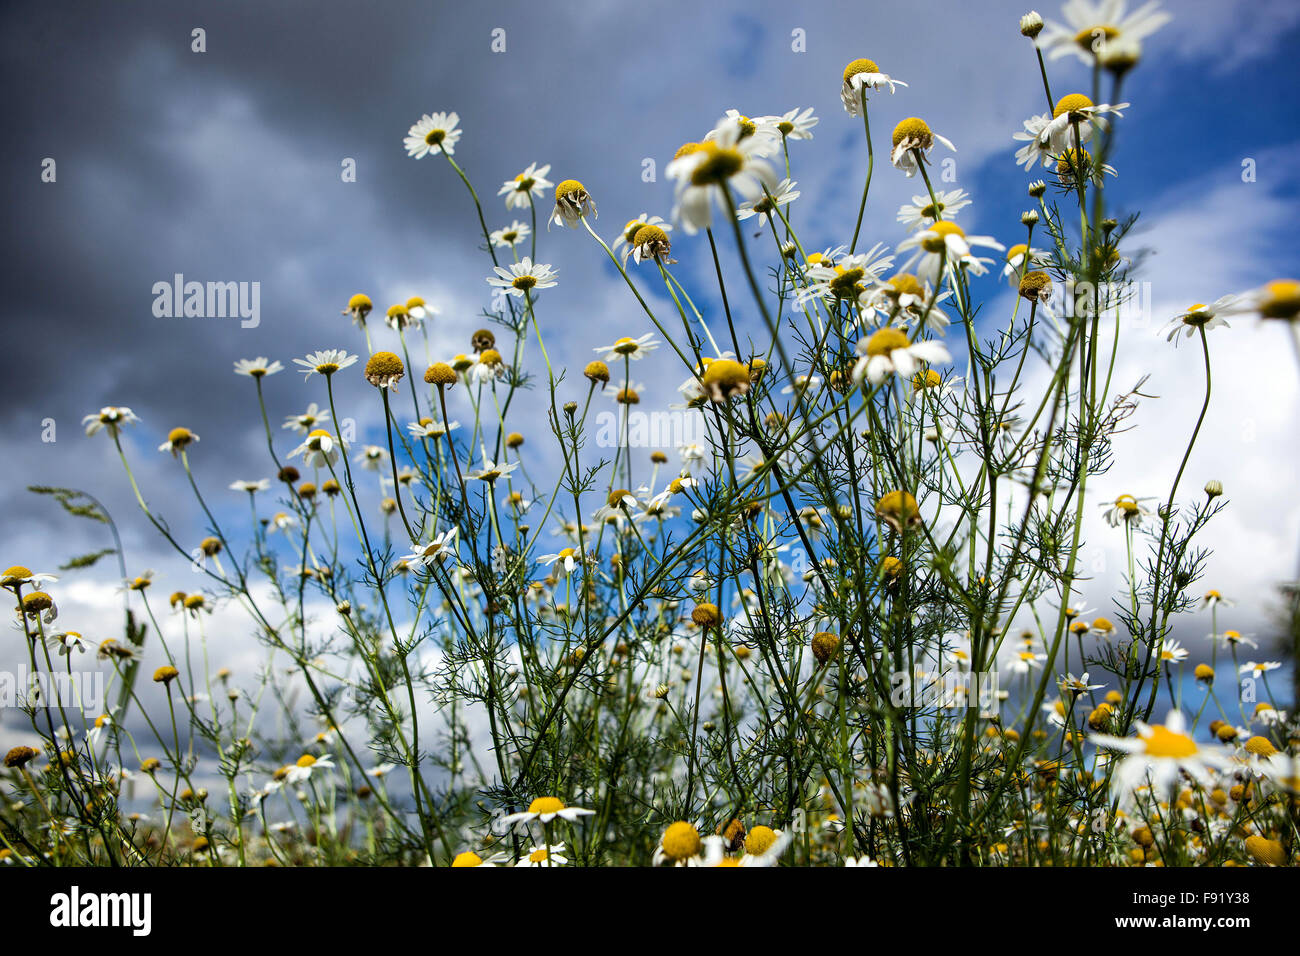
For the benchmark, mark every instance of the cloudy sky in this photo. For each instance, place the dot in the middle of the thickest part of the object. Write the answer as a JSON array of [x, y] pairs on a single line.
[[225, 165]]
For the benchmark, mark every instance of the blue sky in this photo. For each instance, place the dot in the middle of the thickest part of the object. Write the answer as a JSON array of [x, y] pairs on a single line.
[[224, 165]]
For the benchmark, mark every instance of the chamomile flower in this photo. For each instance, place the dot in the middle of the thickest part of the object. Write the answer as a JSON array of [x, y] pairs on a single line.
[[628, 348], [1201, 317], [306, 766], [178, 439], [625, 242], [572, 204], [1213, 599], [1279, 299], [761, 129], [65, 642], [434, 133], [258, 367], [319, 449], [528, 186], [544, 810], [372, 457], [1019, 260], [1092, 25], [439, 549], [544, 855], [727, 159], [1231, 638], [428, 428], [863, 74], [1126, 509], [306, 421], [763, 206], [523, 277], [562, 563], [1073, 121], [19, 576], [1258, 668], [110, 418], [923, 211], [852, 277], [912, 141], [491, 471], [888, 351], [1158, 755], [325, 362], [796, 124], [1173, 652], [944, 245], [511, 235]]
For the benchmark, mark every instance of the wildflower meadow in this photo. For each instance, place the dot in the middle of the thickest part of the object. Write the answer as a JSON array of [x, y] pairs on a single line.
[[825, 535]]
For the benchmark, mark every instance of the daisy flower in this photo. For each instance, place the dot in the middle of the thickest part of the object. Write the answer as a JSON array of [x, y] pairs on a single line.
[[763, 207], [624, 244], [628, 348], [888, 351], [544, 855], [372, 457], [428, 428], [1201, 316], [419, 310], [726, 159], [680, 845], [1019, 260], [863, 74], [851, 277], [923, 211], [258, 367], [111, 418], [1126, 509], [511, 235], [795, 124], [1071, 110], [763, 129], [1092, 25], [529, 185], [572, 203], [523, 276], [178, 439], [491, 471], [1158, 755], [1258, 669], [308, 765], [1213, 598], [544, 810], [912, 141], [434, 133], [1173, 653], [320, 449], [563, 563], [439, 548], [305, 421], [1279, 299], [325, 362], [943, 244]]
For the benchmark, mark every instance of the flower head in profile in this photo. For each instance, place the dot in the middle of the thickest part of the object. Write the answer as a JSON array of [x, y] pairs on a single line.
[[1157, 757], [912, 141], [178, 439], [319, 449], [1279, 299], [1126, 509], [888, 351], [439, 548], [385, 370], [764, 207], [945, 244], [544, 810], [572, 203], [259, 367], [1201, 318], [628, 348], [625, 243], [544, 855], [18, 576], [252, 487], [522, 277], [325, 362], [1091, 26], [434, 133], [727, 159], [307, 766], [491, 471], [528, 186], [359, 306], [862, 76], [796, 124], [110, 418]]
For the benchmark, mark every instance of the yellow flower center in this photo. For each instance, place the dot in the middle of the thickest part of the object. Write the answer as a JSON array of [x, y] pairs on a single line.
[[538, 855], [936, 235], [306, 760], [468, 858], [862, 65], [524, 283], [546, 805], [1164, 742], [719, 164], [1282, 299], [760, 839], [906, 284], [1071, 103], [1019, 249], [435, 136], [915, 131], [883, 341], [1101, 31], [681, 841]]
